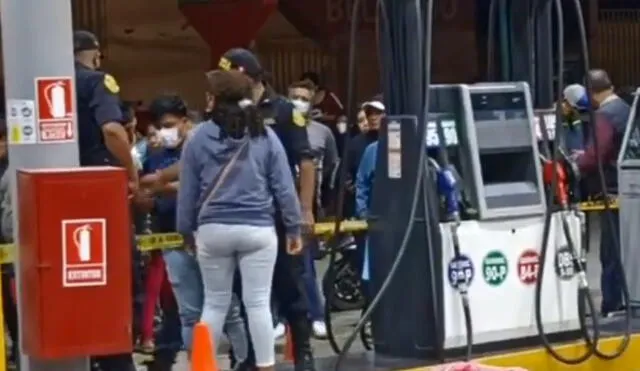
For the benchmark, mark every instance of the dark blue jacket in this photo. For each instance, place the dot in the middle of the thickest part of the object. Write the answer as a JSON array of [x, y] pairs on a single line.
[[165, 206], [98, 104]]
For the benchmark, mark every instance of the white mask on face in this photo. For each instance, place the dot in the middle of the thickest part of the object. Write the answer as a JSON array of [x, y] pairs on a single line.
[[342, 127], [301, 106], [170, 137]]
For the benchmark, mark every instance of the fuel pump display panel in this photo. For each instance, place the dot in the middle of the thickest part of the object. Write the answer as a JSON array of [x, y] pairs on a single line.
[[499, 106], [504, 150]]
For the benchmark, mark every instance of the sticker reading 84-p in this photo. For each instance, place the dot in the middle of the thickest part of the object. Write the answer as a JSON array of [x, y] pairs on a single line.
[[460, 271]]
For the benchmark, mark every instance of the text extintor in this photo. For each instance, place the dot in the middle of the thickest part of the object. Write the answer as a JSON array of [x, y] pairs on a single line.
[[461, 271], [529, 267], [84, 252], [55, 98], [495, 268]]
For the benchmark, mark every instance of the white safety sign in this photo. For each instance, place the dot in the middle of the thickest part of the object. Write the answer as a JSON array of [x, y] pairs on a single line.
[[55, 100], [84, 252], [21, 121]]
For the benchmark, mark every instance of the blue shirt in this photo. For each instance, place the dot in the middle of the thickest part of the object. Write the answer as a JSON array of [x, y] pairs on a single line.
[[260, 176], [165, 206], [364, 180]]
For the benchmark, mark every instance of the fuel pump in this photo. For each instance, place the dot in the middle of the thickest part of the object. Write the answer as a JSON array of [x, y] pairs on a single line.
[[559, 192], [508, 197]]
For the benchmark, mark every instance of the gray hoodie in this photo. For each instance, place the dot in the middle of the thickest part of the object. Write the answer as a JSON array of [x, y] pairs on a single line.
[[260, 176]]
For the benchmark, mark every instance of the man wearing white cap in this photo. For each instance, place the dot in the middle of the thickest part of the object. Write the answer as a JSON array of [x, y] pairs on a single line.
[[374, 110]]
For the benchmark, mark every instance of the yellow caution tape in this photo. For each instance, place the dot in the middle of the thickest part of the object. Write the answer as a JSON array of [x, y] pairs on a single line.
[[160, 241], [592, 206]]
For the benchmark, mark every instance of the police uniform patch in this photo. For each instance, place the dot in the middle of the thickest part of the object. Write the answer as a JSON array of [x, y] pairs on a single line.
[[111, 84], [298, 119], [224, 64]]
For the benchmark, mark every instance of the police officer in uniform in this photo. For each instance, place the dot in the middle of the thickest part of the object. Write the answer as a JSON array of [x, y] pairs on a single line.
[[103, 139], [290, 126]]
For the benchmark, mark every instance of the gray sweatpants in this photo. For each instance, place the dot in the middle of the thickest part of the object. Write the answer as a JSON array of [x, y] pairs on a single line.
[[222, 248]]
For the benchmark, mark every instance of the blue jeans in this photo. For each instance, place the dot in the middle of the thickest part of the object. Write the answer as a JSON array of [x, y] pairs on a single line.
[[316, 308], [186, 281]]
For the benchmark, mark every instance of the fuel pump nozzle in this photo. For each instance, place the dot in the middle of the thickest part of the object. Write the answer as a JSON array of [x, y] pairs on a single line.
[[551, 168], [447, 182]]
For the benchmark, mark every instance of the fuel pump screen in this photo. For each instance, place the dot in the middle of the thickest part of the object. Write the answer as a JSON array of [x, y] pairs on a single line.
[[498, 106]]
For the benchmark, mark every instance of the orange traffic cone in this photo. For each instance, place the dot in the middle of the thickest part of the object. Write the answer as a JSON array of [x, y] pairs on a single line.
[[288, 346], [202, 354]]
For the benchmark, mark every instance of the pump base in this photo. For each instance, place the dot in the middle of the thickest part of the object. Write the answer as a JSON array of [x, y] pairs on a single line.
[[535, 359]]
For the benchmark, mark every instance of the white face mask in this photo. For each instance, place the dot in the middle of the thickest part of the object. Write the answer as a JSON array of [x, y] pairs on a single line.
[[342, 127], [170, 137], [301, 106]]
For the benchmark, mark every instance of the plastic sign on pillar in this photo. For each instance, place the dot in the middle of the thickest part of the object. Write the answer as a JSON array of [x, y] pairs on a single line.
[[55, 98], [75, 250]]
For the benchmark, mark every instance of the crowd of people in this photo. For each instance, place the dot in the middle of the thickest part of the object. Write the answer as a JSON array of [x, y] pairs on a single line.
[[244, 182]]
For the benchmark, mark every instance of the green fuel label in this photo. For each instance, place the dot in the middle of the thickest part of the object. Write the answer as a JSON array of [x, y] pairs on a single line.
[[495, 268]]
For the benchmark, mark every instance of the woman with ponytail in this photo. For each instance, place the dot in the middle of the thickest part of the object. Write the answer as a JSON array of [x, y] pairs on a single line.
[[233, 168]]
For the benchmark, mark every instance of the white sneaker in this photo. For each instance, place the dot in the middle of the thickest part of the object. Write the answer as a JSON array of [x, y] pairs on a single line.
[[279, 331], [319, 329]]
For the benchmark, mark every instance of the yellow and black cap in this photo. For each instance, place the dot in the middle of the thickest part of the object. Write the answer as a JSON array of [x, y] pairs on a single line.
[[242, 60]]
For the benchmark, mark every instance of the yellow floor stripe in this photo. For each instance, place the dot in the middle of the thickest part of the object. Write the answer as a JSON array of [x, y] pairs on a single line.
[[539, 360]]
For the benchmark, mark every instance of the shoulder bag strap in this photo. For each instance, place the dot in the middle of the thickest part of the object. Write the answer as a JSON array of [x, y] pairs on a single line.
[[216, 183]]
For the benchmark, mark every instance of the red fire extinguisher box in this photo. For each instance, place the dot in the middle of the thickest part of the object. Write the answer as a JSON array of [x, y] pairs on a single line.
[[75, 262]]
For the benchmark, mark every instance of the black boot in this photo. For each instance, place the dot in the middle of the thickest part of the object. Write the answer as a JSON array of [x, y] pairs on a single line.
[[302, 353], [244, 366]]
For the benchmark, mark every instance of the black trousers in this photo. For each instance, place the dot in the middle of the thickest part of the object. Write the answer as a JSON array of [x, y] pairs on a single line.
[[124, 362], [9, 309]]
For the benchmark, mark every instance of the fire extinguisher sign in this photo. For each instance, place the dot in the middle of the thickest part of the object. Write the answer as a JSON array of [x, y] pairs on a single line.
[[55, 99], [84, 252]]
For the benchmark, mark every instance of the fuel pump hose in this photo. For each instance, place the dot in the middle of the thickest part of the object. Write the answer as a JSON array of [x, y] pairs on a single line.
[[424, 32], [552, 195], [624, 344], [342, 177], [449, 189]]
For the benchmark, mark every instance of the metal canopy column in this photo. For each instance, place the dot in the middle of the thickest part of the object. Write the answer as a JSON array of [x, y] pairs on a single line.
[[37, 42]]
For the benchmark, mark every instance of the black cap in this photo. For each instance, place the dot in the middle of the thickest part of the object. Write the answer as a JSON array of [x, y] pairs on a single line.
[[243, 60], [311, 76], [84, 40]]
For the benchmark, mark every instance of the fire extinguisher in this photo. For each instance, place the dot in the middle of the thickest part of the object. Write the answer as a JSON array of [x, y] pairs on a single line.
[[55, 96], [82, 239]]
